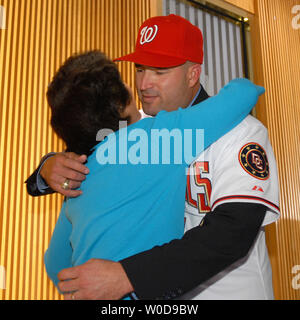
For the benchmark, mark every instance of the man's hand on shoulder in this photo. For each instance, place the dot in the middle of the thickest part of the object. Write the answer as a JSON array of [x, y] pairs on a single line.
[[62, 166]]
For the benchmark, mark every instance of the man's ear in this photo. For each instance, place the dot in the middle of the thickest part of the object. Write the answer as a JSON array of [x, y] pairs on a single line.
[[194, 74]]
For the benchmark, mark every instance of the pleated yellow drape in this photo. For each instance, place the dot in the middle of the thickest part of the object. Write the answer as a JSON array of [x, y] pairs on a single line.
[[276, 47], [39, 36]]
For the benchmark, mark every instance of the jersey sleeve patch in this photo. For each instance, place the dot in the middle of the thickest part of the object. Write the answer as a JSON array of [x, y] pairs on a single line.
[[254, 161]]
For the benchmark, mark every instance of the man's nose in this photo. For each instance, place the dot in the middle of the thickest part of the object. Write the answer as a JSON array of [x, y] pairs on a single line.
[[146, 80]]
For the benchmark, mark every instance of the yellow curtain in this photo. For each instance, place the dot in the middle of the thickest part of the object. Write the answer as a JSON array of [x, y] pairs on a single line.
[[39, 36], [276, 46]]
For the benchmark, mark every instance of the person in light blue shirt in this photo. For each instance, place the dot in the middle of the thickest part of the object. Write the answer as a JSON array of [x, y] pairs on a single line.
[[133, 199]]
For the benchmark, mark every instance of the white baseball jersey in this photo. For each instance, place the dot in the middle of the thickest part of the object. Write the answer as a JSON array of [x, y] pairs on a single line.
[[239, 167], [143, 114]]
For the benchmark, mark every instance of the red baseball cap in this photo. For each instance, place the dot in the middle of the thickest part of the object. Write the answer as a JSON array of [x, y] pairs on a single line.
[[167, 41]]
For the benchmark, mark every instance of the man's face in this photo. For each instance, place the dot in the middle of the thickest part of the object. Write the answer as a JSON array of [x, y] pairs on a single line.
[[163, 88]]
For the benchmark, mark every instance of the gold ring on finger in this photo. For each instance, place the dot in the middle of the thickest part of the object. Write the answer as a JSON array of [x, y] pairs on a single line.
[[65, 185]]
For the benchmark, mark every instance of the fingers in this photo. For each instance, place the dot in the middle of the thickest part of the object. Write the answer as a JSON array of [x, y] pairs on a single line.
[[72, 170], [68, 286], [68, 274], [95, 279], [72, 296], [76, 295], [74, 156], [73, 184], [68, 193], [62, 166], [58, 181], [75, 164], [68, 296], [69, 282]]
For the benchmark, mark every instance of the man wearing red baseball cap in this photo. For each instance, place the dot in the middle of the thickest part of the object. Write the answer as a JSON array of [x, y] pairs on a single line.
[[167, 41], [168, 48], [168, 58]]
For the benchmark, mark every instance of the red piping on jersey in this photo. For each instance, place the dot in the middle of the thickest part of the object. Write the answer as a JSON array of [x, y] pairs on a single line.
[[247, 197]]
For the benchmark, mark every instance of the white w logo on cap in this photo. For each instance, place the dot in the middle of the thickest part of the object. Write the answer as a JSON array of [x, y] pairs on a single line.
[[148, 34]]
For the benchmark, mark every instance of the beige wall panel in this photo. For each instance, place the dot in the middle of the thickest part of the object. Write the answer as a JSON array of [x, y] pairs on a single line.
[[276, 47], [247, 5], [39, 36]]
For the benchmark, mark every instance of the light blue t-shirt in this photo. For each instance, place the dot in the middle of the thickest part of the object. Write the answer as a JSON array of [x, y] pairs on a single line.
[[130, 208]]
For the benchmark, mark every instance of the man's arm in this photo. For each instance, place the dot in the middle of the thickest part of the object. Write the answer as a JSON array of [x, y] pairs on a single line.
[[36, 185], [169, 271], [54, 169]]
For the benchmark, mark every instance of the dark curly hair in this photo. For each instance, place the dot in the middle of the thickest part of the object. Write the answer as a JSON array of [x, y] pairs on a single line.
[[86, 94]]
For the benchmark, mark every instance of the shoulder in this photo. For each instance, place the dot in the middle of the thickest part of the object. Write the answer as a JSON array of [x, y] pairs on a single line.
[[249, 131], [249, 128], [254, 123], [250, 125]]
